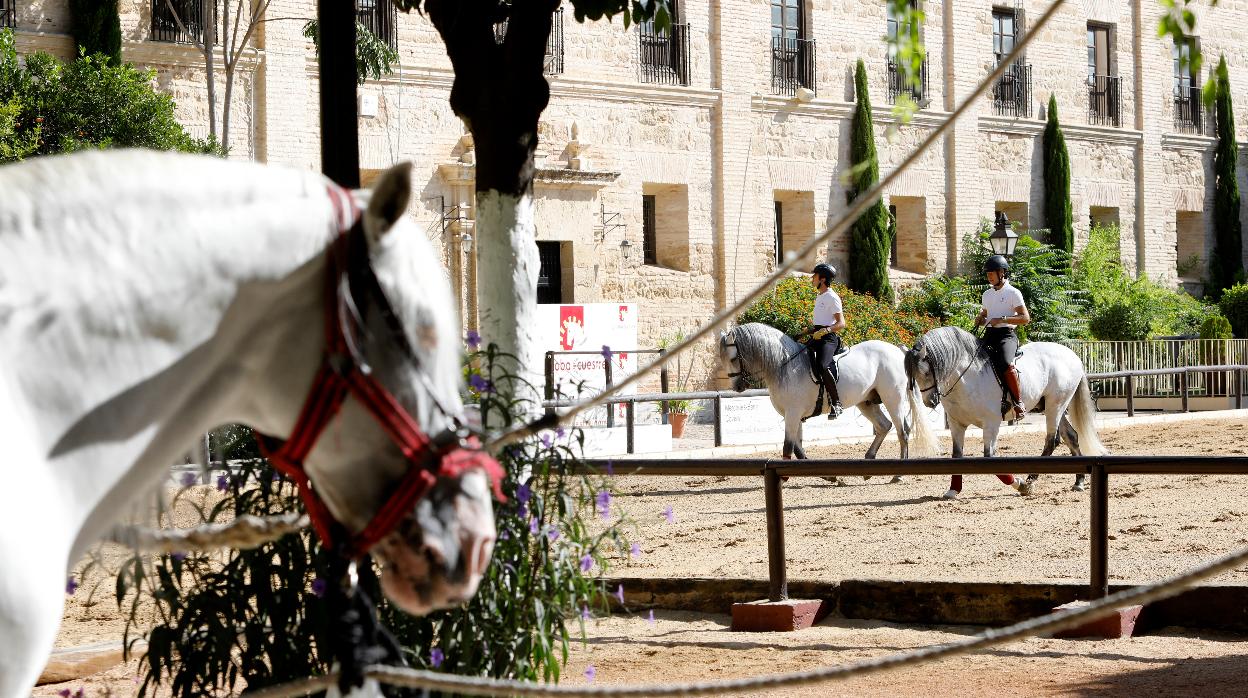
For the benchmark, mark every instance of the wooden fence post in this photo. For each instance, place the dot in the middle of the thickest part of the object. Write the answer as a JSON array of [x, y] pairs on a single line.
[[1099, 533], [775, 536], [629, 425], [1130, 395]]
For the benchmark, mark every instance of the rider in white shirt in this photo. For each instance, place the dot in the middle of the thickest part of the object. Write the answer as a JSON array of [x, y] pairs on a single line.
[[1003, 310], [829, 318]]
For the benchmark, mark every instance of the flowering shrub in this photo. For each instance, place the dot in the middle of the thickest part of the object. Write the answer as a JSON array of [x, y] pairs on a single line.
[[790, 305], [259, 615]]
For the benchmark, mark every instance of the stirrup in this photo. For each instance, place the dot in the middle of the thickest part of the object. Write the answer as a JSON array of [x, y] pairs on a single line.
[[835, 410]]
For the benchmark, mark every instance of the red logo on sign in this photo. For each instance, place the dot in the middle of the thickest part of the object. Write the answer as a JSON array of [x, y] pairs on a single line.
[[623, 311], [571, 326]]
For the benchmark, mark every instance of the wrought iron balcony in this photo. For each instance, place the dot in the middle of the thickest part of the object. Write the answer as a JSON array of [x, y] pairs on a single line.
[[897, 83], [1189, 114], [165, 26], [664, 55], [381, 17], [1104, 100], [792, 65], [8, 13], [1011, 96]]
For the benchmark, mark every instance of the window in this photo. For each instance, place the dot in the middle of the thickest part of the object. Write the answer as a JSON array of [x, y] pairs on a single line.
[[909, 221], [1011, 95], [792, 50], [664, 55], [165, 22], [1189, 245], [8, 13], [892, 224], [779, 233], [1187, 116], [553, 62], [649, 232], [550, 272], [665, 226], [897, 82], [1003, 33], [1103, 83], [380, 17], [795, 223]]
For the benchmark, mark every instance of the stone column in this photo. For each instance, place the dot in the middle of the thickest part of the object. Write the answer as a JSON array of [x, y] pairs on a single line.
[[966, 191]]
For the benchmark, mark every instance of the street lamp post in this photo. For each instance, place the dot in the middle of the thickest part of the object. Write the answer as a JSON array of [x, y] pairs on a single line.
[[1003, 238]]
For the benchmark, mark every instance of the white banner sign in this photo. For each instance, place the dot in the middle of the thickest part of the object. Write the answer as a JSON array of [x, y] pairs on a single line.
[[590, 327]]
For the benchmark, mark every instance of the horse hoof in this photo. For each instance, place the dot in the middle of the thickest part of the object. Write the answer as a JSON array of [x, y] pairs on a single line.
[[1026, 487], [1079, 487], [896, 479], [841, 483], [832, 480], [951, 494], [867, 477]]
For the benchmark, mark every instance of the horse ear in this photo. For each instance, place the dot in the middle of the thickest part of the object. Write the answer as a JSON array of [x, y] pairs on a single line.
[[390, 196], [922, 351]]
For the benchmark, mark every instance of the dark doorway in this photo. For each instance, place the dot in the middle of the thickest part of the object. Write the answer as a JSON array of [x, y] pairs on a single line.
[[550, 272]]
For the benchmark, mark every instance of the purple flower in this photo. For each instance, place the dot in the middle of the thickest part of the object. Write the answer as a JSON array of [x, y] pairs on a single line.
[[590, 673], [188, 479], [71, 585], [504, 535], [585, 614], [610, 468], [474, 340], [319, 587], [651, 617], [560, 432], [604, 504], [546, 440], [669, 514], [533, 527], [587, 562], [436, 657], [606, 352], [524, 493], [553, 534], [178, 556], [480, 384], [64, 692], [79, 694], [223, 483], [619, 593], [635, 551], [522, 512]]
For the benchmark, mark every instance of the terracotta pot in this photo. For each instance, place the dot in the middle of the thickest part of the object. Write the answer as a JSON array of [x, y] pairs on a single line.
[[677, 420]]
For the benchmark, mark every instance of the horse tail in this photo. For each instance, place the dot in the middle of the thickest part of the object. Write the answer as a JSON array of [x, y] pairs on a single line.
[[923, 442], [1082, 414]]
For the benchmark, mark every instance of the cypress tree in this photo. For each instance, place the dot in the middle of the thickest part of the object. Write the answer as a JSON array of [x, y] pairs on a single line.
[[1226, 265], [96, 28], [869, 242], [1057, 214]]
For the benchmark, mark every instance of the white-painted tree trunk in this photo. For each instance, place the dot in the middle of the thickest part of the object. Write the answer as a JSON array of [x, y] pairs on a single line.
[[507, 267]]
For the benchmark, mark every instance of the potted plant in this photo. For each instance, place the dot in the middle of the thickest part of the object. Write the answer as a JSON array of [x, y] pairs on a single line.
[[678, 411], [677, 414]]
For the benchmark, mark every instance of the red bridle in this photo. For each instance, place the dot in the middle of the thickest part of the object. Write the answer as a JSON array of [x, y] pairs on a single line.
[[343, 373]]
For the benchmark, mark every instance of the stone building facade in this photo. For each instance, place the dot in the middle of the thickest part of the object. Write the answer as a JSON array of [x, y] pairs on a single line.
[[672, 169]]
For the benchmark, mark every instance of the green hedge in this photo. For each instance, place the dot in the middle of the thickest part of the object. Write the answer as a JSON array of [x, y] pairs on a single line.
[[790, 305]]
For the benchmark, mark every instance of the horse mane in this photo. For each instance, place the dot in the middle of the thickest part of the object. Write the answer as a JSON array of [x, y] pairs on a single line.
[[948, 350], [763, 348]]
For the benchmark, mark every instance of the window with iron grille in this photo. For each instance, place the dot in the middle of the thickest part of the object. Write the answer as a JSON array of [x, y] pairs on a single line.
[[649, 231], [1103, 83], [381, 17], [552, 64], [779, 233], [792, 49], [1187, 112], [550, 272], [897, 82], [8, 13], [664, 54], [1011, 95], [165, 20]]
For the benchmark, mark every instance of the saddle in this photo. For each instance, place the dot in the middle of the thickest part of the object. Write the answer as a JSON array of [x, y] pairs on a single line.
[[1007, 403], [831, 363]]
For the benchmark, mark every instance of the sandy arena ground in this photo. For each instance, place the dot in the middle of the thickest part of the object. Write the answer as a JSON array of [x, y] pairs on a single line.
[[1160, 524]]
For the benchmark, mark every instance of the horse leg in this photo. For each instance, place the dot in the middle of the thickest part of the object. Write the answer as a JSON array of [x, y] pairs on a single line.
[[31, 606], [880, 425], [991, 431], [1068, 434], [957, 433], [1051, 440]]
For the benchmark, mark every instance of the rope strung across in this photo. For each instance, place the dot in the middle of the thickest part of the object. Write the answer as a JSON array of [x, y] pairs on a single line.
[[1042, 626], [860, 205]]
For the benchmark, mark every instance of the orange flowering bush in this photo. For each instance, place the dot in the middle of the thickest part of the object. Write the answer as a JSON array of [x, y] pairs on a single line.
[[789, 306]]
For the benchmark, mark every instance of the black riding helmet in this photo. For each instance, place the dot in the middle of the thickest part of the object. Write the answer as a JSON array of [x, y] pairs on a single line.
[[827, 271], [997, 263]]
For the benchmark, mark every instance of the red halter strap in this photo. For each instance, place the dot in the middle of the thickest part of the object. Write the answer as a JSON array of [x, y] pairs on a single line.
[[341, 375]]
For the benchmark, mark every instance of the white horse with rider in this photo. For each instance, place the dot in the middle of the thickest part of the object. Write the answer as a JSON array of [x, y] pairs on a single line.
[[146, 298]]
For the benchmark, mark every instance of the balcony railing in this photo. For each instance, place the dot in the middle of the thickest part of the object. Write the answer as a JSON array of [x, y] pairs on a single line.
[[664, 55], [897, 83], [1011, 96], [165, 25], [792, 65], [380, 17], [1104, 101], [1189, 114], [553, 63], [8, 13]]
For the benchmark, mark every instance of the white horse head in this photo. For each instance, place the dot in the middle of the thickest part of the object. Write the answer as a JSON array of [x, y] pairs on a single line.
[[146, 298]]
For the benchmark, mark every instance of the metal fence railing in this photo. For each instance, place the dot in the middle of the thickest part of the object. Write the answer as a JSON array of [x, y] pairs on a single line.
[[1011, 95], [1189, 116], [1104, 100], [165, 25], [897, 83], [792, 65], [1113, 357], [663, 55], [8, 13], [381, 17]]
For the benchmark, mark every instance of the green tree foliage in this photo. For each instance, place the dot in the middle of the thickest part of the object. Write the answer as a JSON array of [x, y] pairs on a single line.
[[1057, 213], [258, 615], [1234, 305], [373, 57], [869, 242], [1226, 264], [1216, 327], [86, 103], [96, 28], [789, 305]]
